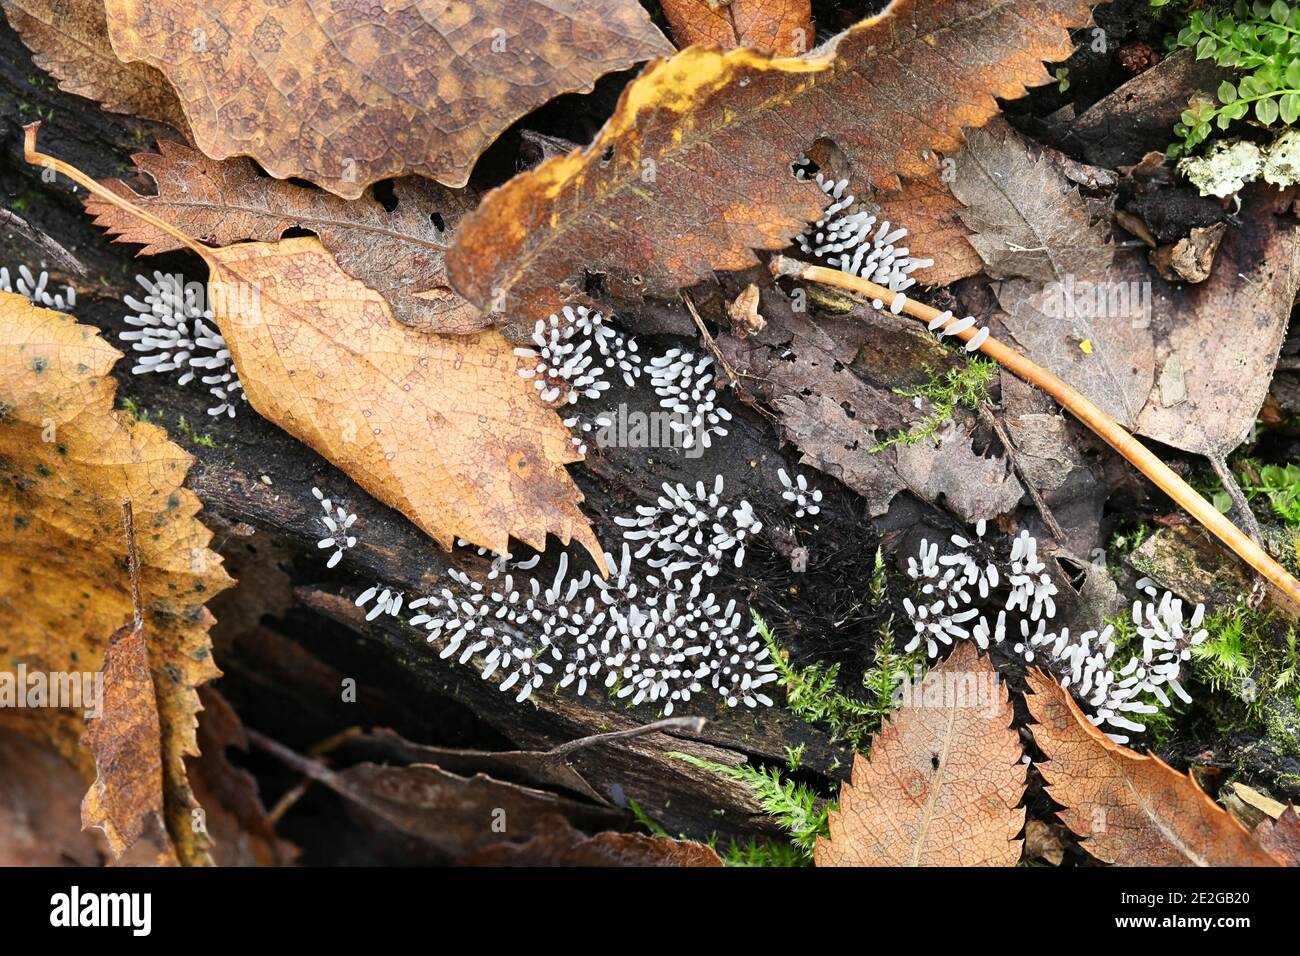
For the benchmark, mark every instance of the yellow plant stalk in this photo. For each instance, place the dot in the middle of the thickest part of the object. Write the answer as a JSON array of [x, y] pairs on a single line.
[[1085, 411]]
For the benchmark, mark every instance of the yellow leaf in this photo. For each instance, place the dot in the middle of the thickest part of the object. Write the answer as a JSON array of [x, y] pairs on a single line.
[[67, 460]]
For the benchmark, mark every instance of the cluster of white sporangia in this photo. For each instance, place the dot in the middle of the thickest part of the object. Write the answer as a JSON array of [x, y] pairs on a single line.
[[684, 383], [658, 638], [946, 610], [337, 522], [574, 348], [805, 502], [173, 334], [849, 239], [34, 288]]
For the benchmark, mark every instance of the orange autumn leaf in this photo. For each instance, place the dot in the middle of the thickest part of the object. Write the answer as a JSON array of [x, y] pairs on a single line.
[[440, 427], [67, 460], [783, 27], [692, 173], [1128, 808], [345, 94], [942, 781]]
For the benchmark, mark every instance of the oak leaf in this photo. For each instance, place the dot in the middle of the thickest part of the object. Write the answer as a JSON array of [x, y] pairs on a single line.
[[345, 94], [1128, 808], [685, 179], [942, 781], [397, 252], [440, 427], [67, 460], [783, 27], [69, 40]]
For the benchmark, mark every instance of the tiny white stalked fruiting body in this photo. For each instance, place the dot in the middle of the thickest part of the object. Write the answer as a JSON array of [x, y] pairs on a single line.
[[805, 502], [336, 521], [34, 288], [1114, 694]]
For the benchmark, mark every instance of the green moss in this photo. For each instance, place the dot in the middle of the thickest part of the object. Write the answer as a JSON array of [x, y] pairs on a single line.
[[966, 387], [797, 808], [193, 437], [1250, 667], [813, 692], [760, 853]]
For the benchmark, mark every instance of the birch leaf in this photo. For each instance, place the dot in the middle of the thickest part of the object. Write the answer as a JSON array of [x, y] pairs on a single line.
[[1129, 808], [942, 781], [442, 428], [67, 460], [345, 94], [692, 172]]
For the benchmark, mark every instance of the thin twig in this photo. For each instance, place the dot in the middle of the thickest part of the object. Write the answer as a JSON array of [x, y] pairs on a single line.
[[1089, 414], [691, 724], [1013, 453], [1244, 513], [709, 342]]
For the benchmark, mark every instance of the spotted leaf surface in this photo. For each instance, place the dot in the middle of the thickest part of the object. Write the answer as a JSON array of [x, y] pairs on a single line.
[[67, 460], [344, 94]]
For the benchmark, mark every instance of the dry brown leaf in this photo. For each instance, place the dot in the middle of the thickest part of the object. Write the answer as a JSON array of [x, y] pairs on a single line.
[[1213, 374], [1032, 229], [684, 178], [1281, 837], [40, 823], [1128, 808], [233, 814], [442, 428], [932, 215], [67, 460], [345, 94], [126, 799], [559, 843], [831, 382], [942, 781], [69, 40], [397, 252], [783, 27]]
